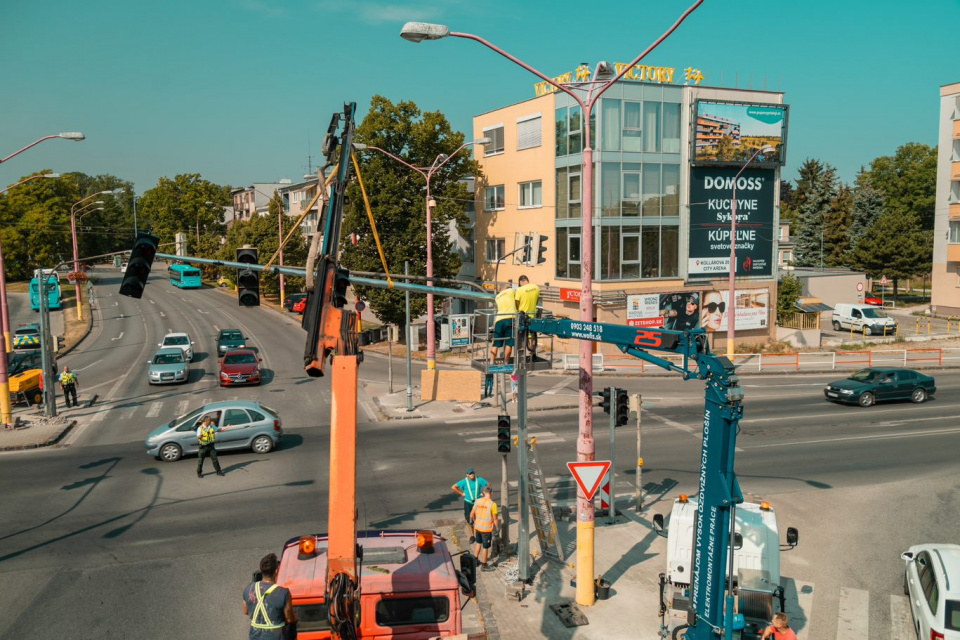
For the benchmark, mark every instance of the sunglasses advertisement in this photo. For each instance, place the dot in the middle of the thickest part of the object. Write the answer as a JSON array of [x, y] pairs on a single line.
[[752, 309]]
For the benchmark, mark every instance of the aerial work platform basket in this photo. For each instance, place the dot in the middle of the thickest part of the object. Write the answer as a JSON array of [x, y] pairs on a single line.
[[531, 351]]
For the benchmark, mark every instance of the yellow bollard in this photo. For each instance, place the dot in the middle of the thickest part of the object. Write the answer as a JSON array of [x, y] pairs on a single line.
[[586, 595]]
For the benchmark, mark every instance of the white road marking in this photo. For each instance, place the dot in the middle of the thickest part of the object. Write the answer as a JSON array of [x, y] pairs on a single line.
[[367, 410], [901, 622], [800, 611], [118, 337], [116, 304], [182, 407], [853, 621], [695, 432], [88, 366], [557, 387], [872, 412], [152, 302], [216, 328], [542, 436], [163, 315], [130, 413], [97, 417], [202, 311], [154, 409], [882, 436]]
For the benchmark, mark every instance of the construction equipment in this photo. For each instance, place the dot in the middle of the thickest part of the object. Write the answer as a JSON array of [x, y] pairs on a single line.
[[540, 508]]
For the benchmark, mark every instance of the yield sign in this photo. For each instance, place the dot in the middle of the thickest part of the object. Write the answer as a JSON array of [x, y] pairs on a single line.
[[589, 475]]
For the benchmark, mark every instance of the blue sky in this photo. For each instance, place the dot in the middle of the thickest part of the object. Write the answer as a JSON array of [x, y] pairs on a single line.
[[242, 90]]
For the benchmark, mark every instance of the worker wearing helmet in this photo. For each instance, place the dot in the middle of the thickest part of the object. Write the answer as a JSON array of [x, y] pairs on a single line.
[[485, 521]]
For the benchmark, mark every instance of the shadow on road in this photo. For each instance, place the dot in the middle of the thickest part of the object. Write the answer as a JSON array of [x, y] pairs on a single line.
[[290, 441], [440, 504], [240, 466]]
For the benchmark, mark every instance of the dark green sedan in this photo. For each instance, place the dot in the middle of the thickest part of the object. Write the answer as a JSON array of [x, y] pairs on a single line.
[[881, 384], [229, 339]]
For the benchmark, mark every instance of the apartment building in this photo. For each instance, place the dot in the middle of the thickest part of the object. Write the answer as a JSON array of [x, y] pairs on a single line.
[[945, 294]]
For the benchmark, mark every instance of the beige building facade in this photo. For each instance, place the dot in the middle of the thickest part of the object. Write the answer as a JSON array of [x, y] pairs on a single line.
[[945, 294]]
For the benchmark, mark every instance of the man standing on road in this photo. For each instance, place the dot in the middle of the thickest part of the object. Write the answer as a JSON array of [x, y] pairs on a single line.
[[69, 384], [485, 521], [207, 436], [469, 489], [268, 604]]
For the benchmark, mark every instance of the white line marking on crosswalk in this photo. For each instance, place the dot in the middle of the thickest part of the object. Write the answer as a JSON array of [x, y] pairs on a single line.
[[901, 622], [118, 337], [182, 407], [557, 387], [853, 621], [99, 416], [154, 409], [543, 436], [130, 413], [366, 409]]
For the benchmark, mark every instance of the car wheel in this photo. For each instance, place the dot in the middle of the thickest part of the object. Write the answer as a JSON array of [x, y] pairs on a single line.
[[919, 395], [262, 444], [867, 331], [836, 326], [170, 452], [867, 399]]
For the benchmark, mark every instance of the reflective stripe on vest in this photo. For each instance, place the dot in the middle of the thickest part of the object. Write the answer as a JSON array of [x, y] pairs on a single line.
[[68, 378], [483, 516], [471, 496], [207, 435], [261, 610]]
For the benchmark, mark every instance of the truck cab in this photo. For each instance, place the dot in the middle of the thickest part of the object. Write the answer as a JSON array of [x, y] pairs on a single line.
[[409, 587], [756, 562]]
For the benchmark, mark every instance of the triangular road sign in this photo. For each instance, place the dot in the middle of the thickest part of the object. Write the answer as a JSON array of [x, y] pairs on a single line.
[[589, 475]]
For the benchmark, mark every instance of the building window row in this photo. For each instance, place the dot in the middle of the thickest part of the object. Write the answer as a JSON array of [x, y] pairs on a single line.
[[493, 198], [624, 253], [529, 132], [496, 249], [634, 126], [495, 146]]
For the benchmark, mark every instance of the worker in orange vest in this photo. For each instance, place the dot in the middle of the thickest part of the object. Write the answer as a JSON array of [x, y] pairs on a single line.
[[485, 521]]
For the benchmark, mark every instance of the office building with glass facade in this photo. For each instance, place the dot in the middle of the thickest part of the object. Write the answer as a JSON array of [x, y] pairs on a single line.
[[645, 136]]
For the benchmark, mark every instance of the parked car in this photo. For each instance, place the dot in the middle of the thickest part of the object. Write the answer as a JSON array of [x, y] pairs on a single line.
[[293, 299], [881, 384], [863, 318], [872, 300], [239, 366], [180, 341], [252, 426], [230, 339], [26, 337], [931, 579], [168, 366], [300, 306]]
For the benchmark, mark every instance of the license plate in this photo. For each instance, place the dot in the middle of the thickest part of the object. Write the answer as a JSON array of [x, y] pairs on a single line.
[[832, 394]]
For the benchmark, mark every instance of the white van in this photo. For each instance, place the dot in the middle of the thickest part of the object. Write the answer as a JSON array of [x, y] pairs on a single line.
[[863, 318]]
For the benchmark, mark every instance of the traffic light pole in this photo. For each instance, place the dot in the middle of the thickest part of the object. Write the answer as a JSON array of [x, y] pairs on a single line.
[[523, 538], [612, 511], [49, 390]]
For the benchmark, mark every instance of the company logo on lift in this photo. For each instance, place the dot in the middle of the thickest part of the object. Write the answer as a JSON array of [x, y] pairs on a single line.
[[655, 339]]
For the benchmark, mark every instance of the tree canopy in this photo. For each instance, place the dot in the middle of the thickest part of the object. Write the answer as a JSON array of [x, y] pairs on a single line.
[[189, 204], [908, 181]]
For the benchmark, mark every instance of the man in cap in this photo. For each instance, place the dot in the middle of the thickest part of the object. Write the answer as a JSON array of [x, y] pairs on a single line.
[[470, 489]]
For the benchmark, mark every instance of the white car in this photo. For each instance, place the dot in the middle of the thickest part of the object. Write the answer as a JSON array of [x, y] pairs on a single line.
[[932, 582], [179, 341], [123, 267]]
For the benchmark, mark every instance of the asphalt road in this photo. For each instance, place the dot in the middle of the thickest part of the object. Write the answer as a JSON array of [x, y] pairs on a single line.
[[102, 541]]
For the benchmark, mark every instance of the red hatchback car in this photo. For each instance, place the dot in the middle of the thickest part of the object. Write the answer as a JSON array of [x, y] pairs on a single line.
[[239, 366], [299, 306], [871, 299]]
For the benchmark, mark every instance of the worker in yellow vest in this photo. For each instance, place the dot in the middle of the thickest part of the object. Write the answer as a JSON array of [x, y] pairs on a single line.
[[207, 437], [69, 384], [485, 522]]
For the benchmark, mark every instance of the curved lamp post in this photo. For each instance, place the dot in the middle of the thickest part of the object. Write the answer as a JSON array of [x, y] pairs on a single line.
[[73, 233], [427, 173], [67, 135]]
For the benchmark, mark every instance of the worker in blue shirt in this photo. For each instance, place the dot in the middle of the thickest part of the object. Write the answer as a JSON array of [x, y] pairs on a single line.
[[471, 490]]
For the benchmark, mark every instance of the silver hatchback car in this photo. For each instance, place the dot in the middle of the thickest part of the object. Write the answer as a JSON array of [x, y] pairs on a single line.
[[252, 426], [168, 366]]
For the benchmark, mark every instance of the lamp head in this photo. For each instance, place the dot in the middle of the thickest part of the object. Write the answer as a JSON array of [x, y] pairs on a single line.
[[72, 135], [51, 175], [358, 146], [420, 31], [765, 149], [483, 140], [604, 71]]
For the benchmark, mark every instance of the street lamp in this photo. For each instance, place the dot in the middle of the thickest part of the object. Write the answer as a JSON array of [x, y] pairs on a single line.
[[732, 310], [68, 135], [73, 233], [427, 173], [420, 31]]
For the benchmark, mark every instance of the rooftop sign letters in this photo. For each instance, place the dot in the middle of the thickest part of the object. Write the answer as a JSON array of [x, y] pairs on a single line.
[[638, 72]]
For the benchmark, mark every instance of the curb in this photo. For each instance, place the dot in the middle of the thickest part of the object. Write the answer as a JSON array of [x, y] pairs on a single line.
[[47, 443], [86, 333]]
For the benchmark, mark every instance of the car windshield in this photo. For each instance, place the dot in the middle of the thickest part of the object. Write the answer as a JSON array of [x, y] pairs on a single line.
[[193, 415], [874, 313], [231, 335], [177, 340], [240, 358], [168, 358], [25, 332], [867, 375]]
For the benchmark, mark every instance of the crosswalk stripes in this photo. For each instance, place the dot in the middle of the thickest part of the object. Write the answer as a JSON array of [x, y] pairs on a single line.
[[154, 409], [543, 437], [901, 622], [853, 619], [182, 407]]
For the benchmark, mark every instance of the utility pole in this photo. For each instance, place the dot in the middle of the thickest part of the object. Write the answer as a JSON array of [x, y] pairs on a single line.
[[612, 510], [46, 359], [638, 492], [406, 297], [523, 537], [390, 339]]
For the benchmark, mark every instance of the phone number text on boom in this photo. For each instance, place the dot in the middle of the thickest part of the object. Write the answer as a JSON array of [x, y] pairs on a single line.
[[586, 331]]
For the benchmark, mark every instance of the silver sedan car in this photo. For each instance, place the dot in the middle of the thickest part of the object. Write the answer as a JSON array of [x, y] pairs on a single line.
[[168, 366], [241, 425]]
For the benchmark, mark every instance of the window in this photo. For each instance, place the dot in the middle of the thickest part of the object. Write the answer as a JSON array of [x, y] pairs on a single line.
[[954, 196], [651, 190], [574, 192], [235, 417], [956, 151], [928, 581], [568, 252], [782, 233], [256, 415], [573, 253], [562, 199], [669, 252], [671, 128], [650, 252], [531, 194], [631, 194], [632, 126], [495, 249], [671, 190], [610, 190], [529, 132], [469, 249], [630, 249], [575, 128], [495, 146], [562, 137], [610, 253], [395, 612], [787, 257], [610, 121], [493, 200], [955, 232], [651, 126]]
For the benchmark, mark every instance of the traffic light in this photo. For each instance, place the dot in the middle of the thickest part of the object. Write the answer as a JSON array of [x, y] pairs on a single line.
[[541, 249], [605, 403], [503, 434], [138, 267], [248, 280], [527, 252], [622, 407]]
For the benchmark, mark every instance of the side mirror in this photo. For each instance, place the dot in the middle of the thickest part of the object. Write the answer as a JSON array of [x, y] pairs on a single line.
[[159, 345], [793, 536], [192, 343], [658, 525], [737, 540], [906, 555]]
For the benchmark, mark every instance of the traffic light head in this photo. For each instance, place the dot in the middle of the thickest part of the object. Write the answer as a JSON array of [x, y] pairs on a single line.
[[605, 402], [248, 280], [542, 249], [138, 267], [503, 434], [622, 407]]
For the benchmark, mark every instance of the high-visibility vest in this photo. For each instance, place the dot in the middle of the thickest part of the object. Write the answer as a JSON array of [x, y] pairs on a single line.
[[261, 611], [470, 495], [483, 515], [207, 435], [68, 378]]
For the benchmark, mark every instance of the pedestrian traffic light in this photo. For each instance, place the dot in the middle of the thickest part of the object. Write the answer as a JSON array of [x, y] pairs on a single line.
[[605, 403], [622, 407], [503, 434], [138, 267], [248, 280], [541, 249]]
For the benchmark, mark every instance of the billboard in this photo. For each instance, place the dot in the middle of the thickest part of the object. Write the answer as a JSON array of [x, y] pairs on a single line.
[[711, 208], [460, 331], [678, 311], [728, 133], [752, 309]]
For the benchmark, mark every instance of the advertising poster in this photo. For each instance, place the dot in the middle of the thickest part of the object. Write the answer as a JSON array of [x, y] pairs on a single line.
[[711, 209], [752, 309], [730, 133], [460, 331], [679, 311]]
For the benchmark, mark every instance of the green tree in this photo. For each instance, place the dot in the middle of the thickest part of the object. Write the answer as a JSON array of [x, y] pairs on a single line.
[[398, 200], [187, 204], [816, 190], [789, 290], [836, 238], [867, 207], [908, 181], [109, 230], [895, 246]]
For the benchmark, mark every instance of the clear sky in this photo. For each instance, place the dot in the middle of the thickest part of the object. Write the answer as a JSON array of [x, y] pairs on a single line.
[[242, 90]]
